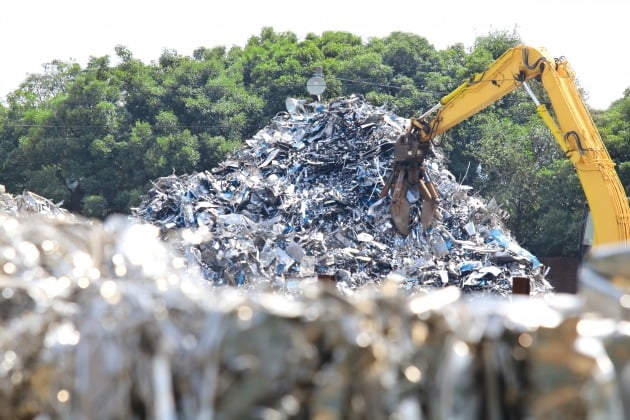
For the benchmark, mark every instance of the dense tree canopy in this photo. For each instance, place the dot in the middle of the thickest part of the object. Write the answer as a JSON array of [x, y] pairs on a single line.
[[95, 137]]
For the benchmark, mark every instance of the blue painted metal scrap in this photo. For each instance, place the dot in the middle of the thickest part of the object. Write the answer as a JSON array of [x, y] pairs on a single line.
[[313, 180]]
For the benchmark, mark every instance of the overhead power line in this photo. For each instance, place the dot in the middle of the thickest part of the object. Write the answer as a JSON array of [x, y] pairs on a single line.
[[228, 125]]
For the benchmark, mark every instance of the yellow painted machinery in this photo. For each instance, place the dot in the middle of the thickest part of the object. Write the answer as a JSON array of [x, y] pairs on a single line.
[[571, 125]]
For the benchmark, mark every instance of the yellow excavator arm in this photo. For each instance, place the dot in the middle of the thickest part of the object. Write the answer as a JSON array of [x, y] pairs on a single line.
[[573, 128]]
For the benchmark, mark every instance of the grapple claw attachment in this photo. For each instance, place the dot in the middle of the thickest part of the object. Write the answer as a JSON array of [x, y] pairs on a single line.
[[409, 154], [400, 208]]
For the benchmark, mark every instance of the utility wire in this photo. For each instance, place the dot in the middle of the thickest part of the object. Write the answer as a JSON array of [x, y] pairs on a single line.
[[366, 83], [436, 92], [228, 125]]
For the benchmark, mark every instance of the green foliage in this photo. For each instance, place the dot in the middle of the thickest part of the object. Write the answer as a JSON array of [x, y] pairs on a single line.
[[117, 127], [497, 42], [615, 130], [95, 206], [410, 55], [556, 225], [521, 167], [487, 49]]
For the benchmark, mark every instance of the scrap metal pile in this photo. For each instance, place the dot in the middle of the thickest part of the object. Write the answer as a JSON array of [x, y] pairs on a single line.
[[28, 203], [105, 321], [302, 200]]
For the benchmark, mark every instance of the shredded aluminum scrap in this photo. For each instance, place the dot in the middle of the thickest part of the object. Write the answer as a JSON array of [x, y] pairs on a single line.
[[302, 200], [29, 203], [109, 322]]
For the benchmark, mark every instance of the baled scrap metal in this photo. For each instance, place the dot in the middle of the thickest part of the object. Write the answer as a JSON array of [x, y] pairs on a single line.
[[313, 181], [106, 321]]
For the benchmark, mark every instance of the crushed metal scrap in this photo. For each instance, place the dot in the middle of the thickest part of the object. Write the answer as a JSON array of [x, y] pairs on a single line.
[[29, 203], [107, 321], [302, 200]]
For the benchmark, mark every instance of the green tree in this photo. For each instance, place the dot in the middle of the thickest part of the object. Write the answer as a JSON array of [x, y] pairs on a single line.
[[614, 126], [410, 55], [556, 228], [488, 48]]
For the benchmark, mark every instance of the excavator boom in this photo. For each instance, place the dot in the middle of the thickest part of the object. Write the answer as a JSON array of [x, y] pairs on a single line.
[[573, 128]]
